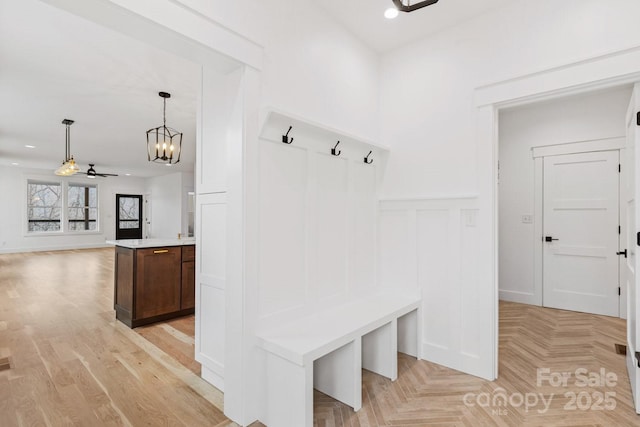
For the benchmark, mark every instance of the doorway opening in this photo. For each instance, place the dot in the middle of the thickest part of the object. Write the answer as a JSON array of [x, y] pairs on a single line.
[[559, 198]]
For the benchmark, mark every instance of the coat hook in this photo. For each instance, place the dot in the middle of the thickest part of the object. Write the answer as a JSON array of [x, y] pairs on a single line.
[[334, 151], [285, 138], [367, 160]]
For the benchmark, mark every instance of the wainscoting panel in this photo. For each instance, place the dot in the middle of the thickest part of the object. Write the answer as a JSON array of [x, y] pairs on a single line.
[[211, 272], [331, 216], [430, 245], [283, 225]]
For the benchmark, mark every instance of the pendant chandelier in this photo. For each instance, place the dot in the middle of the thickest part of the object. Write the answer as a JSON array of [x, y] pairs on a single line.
[[164, 144], [69, 166], [406, 6]]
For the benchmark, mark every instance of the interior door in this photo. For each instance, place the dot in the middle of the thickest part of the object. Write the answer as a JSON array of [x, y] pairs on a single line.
[[581, 204], [631, 212], [128, 216]]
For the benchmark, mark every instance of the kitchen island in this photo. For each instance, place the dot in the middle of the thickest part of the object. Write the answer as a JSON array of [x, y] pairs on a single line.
[[154, 279]]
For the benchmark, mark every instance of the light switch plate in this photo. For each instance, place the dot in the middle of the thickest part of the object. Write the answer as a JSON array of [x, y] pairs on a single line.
[[527, 219]]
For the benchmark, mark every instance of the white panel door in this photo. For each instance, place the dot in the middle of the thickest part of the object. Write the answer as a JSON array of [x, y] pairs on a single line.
[[630, 191], [580, 264]]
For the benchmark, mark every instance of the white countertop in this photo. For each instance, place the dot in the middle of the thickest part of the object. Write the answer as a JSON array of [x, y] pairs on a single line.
[[152, 243]]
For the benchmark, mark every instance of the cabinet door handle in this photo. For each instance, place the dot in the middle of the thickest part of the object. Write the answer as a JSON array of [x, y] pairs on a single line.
[[163, 251]]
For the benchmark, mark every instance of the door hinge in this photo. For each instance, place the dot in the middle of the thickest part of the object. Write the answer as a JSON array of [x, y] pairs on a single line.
[[619, 168], [619, 291], [619, 230], [638, 118]]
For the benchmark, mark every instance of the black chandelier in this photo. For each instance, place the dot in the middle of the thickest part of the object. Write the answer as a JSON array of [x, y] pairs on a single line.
[[406, 6], [164, 144]]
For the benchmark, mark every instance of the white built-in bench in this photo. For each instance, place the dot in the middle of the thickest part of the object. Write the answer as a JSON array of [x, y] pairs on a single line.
[[327, 351]]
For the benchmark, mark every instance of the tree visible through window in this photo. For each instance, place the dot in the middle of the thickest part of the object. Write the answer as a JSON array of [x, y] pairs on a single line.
[[129, 212], [44, 206], [82, 207]]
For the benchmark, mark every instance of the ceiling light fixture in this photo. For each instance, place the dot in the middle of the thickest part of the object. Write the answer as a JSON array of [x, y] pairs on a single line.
[[391, 13], [69, 166], [164, 144], [30, 146], [406, 6]]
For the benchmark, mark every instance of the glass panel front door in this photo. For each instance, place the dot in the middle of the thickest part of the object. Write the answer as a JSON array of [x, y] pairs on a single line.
[[128, 216]]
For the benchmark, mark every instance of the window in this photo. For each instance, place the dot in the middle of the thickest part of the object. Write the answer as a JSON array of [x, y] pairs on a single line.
[[82, 207], [129, 212], [44, 206], [61, 207]]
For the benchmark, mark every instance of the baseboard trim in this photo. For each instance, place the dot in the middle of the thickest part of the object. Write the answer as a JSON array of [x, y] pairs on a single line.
[[54, 248]]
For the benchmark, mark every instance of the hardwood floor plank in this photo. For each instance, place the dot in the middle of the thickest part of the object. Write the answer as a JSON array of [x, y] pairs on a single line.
[[73, 364]]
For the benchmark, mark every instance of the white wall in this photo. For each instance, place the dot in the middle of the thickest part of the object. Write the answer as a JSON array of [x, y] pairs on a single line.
[[593, 116], [428, 114], [13, 237], [312, 66], [441, 141], [168, 199]]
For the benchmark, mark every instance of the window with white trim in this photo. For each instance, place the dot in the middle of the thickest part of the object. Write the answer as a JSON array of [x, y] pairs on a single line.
[[82, 207], [61, 207]]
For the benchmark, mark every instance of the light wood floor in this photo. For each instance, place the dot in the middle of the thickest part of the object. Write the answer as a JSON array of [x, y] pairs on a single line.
[[73, 364]]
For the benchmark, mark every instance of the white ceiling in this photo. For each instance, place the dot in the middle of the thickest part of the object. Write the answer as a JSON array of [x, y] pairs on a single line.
[[54, 65], [365, 19]]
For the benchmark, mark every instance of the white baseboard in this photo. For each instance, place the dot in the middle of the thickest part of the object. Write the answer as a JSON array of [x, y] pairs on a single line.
[[212, 378], [521, 297]]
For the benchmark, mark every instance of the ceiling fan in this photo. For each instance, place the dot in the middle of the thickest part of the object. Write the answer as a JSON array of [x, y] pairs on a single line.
[[91, 172]]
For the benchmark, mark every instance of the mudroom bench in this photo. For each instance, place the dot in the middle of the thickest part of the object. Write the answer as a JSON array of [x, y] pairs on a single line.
[[329, 349]]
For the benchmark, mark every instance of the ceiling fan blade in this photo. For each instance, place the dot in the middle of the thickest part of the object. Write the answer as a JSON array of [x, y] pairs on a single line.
[[104, 175]]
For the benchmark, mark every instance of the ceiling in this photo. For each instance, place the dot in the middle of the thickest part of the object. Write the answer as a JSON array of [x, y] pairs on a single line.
[[365, 19], [54, 65]]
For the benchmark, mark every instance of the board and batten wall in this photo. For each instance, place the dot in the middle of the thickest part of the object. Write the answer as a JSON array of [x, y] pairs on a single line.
[[317, 227], [423, 245], [595, 116]]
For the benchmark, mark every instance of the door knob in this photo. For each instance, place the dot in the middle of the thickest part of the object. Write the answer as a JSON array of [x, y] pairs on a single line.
[[549, 239], [622, 253]]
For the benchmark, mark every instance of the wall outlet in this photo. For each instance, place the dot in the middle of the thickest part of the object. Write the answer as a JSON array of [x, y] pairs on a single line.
[[527, 219]]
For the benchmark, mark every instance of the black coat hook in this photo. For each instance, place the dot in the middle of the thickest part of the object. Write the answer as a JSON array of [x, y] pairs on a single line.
[[367, 160], [285, 138], [334, 151]]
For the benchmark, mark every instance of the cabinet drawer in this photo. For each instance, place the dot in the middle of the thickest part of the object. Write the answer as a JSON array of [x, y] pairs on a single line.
[[188, 253]]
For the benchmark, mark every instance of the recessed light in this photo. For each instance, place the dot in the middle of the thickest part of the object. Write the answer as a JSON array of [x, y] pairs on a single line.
[[168, 164], [30, 146], [391, 13], [127, 174], [15, 164]]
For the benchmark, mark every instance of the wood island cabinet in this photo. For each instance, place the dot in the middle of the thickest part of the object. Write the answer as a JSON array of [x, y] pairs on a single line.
[[153, 284]]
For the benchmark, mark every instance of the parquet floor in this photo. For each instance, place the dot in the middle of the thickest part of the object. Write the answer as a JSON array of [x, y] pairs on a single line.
[[73, 364]]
